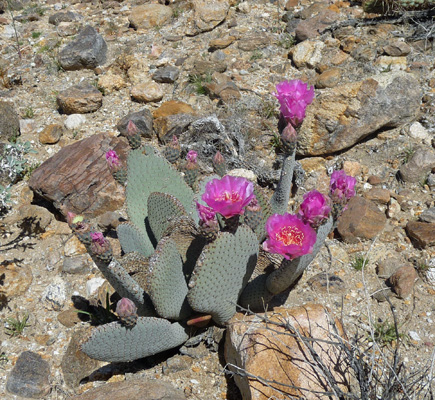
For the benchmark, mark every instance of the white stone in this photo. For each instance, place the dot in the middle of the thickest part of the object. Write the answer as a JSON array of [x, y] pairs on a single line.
[[244, 173], [74, 121], [73, 247], [414, 336], [54, 296], [418, 131], [430, 275], [393, 208], [308, 53], [93, 284]]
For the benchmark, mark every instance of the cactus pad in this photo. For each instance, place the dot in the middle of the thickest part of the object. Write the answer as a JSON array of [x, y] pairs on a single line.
[[255, 296], [126, 286], [133, 239], [148, 173], [222, 272], [162, 207], [167, 285], [116, 343]]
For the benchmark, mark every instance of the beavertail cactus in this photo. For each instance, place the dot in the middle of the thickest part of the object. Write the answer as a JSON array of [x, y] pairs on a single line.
[[194, 257]]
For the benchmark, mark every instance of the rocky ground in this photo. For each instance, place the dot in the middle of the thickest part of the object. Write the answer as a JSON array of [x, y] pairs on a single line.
[[71, 71]]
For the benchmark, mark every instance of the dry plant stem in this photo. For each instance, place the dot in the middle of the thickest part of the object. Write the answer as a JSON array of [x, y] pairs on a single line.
[[279, 200], [15, 29]]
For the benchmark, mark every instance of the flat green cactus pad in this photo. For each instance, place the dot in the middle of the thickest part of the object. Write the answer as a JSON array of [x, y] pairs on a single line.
[[167, 285], [255, 296], [132, 239], [222, 272], [115, 343], [162, 207], [148, 173]]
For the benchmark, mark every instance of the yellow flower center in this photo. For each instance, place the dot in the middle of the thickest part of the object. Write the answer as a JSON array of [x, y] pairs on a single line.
[[233, 197], [290, 235]]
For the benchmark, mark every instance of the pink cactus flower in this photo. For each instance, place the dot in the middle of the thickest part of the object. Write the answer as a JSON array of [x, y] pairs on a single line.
[[112, 159], [125, 308], [342, 187], [315, 208], [294, 96], [289, 236], [192, 156], [228, 196], [131, 128]]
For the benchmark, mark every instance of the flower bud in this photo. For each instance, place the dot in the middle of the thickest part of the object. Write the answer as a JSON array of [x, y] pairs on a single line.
[[125, 308]]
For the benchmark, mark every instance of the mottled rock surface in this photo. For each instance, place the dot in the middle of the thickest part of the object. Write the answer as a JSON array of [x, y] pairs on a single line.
[[77, 179], [270, 354], [30, 376], [80, 99], [348, 113]]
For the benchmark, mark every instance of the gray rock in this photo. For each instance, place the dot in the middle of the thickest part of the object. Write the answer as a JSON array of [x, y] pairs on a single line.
[[419, 166], [30, 376], [326, 283], [142, 119], [59, 17], [76, 265], [431, 180], [75, 364], [9, 121], [137, 389], [344, 115], [166, 74], [87, 51], [428, 215]]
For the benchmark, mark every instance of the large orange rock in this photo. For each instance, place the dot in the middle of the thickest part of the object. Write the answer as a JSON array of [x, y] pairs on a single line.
[[261, 353]]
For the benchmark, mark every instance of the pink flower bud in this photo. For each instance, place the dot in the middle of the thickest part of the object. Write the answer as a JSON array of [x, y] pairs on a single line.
[[315, 208], [112, 159], [99, 243], [131, 128], [289, 135], [192, 156], [125, 308], [342, 187], [253, 206], [218, 158]]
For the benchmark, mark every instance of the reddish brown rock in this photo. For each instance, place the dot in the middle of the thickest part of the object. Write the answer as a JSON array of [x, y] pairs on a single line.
[[221, 43], [80, 99], [402, 281], [148, 15], [361, 220], [271, 354], [77, 178], [315, 26], [422, 233], [378, 195], [329, 78], [51, 134], [15, 279], [173, 107]]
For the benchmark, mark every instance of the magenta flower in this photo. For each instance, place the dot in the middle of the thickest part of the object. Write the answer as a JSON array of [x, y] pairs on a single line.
[[97, 237], [191, 156], [99, 243], [205, 213], [315, 208], [342, 187], [112, 159], [289, 236], [294, 97], [228, 196]]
